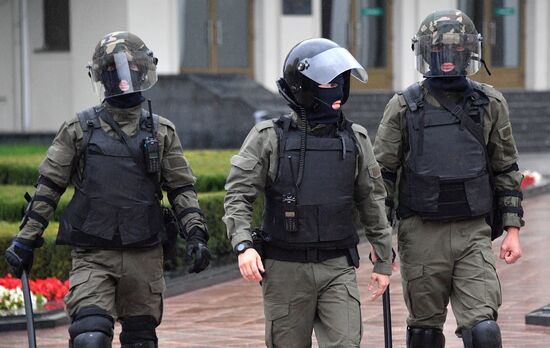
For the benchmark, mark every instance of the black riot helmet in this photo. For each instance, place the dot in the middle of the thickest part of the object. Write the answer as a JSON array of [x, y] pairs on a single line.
[[313, 62]]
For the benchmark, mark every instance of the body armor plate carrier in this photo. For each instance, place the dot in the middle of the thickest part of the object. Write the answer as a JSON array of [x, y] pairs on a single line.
[[323, 204], [115, 205], [445, 172]]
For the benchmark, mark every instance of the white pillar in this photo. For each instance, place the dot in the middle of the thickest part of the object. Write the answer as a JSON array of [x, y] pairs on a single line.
[[25, 66], [267, 68], [537, 73]]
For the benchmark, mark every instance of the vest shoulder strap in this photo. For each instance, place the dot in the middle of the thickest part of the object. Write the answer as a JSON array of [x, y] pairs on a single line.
[[282, 125], [144, 121], [88, 118], [413, 96]]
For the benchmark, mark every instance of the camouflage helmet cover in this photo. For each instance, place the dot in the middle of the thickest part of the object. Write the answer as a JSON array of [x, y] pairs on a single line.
[[446, 21], [123, 51], [447, 28]]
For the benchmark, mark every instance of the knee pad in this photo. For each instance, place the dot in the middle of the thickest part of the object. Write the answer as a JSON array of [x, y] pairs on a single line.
[[139, 332], [420, 337], [485, 334], [91, 340], [91, 319]]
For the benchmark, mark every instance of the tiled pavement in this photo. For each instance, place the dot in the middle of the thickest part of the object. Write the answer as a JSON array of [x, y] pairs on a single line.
[[231, 314]]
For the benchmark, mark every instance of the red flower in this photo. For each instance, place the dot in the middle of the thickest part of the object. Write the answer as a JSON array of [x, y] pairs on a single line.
[[51, 288]]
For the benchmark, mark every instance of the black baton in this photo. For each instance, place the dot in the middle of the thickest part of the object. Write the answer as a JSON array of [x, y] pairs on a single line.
[[28, 309], [387, 318], [386, 310]]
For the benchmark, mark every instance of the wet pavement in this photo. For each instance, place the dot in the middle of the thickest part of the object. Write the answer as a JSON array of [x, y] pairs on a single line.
[[230, 314]]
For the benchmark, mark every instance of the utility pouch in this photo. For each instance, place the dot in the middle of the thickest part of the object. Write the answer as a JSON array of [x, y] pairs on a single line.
[[353, 256], [290, 212], [494, 219], [258, 242], [151, 151], [172, 228]]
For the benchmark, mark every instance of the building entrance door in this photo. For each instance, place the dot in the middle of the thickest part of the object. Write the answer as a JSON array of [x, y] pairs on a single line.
[[364, 28], [216, 36], [501, 23]]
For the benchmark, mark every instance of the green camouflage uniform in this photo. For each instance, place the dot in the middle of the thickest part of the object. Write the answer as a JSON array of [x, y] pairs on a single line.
[[297, 294], [122, 282], [450, 259]]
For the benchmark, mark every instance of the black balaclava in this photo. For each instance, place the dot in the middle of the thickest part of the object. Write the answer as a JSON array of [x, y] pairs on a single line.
[[451, 84], [113, 86], [461, 61], [322, 111]]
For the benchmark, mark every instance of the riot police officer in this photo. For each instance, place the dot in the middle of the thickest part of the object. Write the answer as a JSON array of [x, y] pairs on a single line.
[[118, 156], [317, 171], [449, 141]]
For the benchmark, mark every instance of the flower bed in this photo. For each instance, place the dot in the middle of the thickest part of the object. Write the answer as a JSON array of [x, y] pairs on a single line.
[[530, 178], [46, 294]]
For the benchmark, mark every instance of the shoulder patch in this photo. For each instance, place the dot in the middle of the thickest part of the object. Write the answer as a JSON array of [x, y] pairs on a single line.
[[357, 128], [165, 122], [264, 125]]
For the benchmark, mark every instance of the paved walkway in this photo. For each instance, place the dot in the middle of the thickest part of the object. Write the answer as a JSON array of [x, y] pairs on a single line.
[[231, 314]]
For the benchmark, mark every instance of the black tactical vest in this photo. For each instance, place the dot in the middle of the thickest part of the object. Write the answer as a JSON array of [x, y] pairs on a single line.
[[115, 205], [445, 174], [324, 199]]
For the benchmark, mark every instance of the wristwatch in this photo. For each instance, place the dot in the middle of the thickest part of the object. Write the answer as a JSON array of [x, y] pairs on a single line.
[[242, 246]]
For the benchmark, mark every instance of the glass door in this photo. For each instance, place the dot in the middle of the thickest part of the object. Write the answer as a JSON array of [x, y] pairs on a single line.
[[364, 28], [216, 36], [501, 23]]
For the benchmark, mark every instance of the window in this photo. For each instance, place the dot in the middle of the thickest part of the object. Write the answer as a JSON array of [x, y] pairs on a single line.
[[296, 7], [56, 25]]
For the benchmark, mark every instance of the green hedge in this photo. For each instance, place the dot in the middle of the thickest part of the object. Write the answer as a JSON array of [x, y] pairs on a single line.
[[51, 260], [12, 201], [19, 166]]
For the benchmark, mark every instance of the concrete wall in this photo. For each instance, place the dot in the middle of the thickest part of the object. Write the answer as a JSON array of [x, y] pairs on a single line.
[[90, 21], [275, 34], [156, 23], [10, 117], [51, 92]]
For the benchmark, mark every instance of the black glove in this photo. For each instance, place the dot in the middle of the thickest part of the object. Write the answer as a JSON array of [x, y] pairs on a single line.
[[197, 246], [19, 255]]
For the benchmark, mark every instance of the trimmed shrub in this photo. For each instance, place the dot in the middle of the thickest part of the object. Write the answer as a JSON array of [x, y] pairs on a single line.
[[49, 261], [52, 260], [12, 201], [209, 166]]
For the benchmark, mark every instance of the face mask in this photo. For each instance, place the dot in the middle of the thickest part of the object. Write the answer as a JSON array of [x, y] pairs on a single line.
[[453, 84], [114, 86], [323, 111], [126, 101], [441, 64]]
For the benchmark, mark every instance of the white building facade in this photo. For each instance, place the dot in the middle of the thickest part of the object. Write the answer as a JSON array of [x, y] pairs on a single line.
[[46, 44]]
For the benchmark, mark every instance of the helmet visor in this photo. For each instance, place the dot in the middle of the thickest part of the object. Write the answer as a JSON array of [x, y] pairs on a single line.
[[122, 73], [448, 54], [328, 64]]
